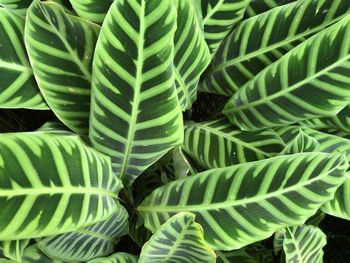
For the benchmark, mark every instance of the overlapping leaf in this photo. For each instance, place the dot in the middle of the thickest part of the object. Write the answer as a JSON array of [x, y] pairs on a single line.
[[33, 255], [218, 144], [51, 184], [18, 88], [299, 86], [116, 258], [14, 249], [259, 6], [18, 6], [302, 143], [219, 17], [94, 10], [258, 42], [235, 256], [135, 117], [60, 47], [192, 54], [286, 190], [88, 243]]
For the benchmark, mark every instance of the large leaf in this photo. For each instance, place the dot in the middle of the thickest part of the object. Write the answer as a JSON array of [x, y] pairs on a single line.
[[94, 10], [87, 243], [180, 239], [18, 88], [60, 47], [50, 184], [14, 249], [245, 203], [258, 42], [304, 244], [259, 6], [116, 258], [218, 144], [192, 54], [299, 86], [136, 117], [18, 6], [219, 17]]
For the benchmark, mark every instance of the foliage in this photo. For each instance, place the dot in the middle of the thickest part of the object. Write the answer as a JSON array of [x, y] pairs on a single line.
[[140, 161]]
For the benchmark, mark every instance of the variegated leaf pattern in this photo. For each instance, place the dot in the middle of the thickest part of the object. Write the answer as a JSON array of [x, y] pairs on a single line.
[[97, 240], [259, 41], [18, 88], [304, 244], [93, 10], [54, 40], [78, 190], [219, 144], [136, 117], [298, 86], [260, 6], [235, 256], [14, 249], [219, 17], [179, 239], [302, 143], [192, 54], [119, 257], [286, 190], [341, 121], [33, 254], [18, 6]]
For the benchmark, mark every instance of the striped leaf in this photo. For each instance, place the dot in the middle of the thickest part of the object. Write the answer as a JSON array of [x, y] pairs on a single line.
[[180, 239], [304, 244], [60, 47], [218, 144], [192, 54], [18, 6], [219, 17], [14, 249], [341, 121], [116, 258], [18, 88], [286, 190], [302, 143], [135, 117], [97, 240], [93, 10], [301, 85], [259, 6], [258, 42], [235, 256], [78, 190], [33, 255]]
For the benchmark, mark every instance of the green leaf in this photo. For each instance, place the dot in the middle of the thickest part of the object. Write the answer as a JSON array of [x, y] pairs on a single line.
[[179, 239], [302, 143], [33, 255], [181, 164], [304, 244], [18, 88], [97, 240], [116, 258], [136, 117], [341, 121], [93, 10], [18, 6], [235, 256], [299, 86], [259, 6], [285, 190], [192, 54], [219, 17], [14, 249], [60, 47], [219, 144], [51, 184], [259, 41]]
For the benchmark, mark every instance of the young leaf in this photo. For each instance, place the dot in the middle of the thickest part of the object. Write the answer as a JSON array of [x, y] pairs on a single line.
[[218, 144], [18, 6], [299, 86], [179, 239], [51, 184], [18, 88], [136, 117], [286, 190], [97, 240], [60, 47], [192, 54], [14, 249], [260, 6], [258, 42], [116, 258], [302, 143], [219, 17], [93, 10]]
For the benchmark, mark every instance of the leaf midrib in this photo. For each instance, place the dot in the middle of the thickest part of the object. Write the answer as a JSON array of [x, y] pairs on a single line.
[[15, 66], [212, 12], [296, 245]]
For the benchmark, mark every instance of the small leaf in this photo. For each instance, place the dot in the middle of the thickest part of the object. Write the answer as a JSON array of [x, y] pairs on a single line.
[[302, 143]]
